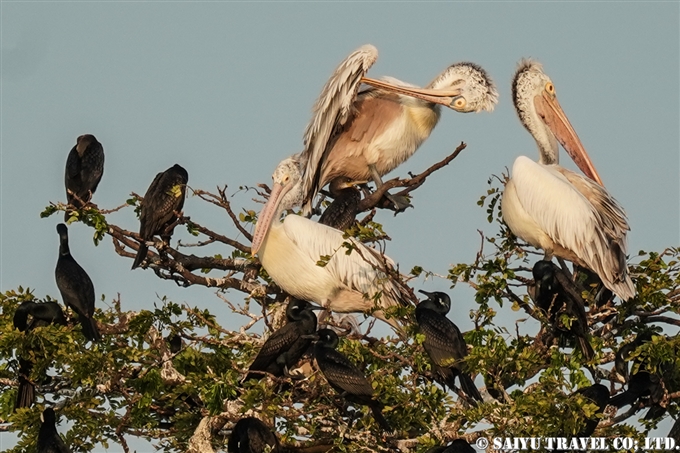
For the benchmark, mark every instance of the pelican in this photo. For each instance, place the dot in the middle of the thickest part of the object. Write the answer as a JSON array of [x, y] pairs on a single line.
[[366, 134], [557, 210], [290, 250]]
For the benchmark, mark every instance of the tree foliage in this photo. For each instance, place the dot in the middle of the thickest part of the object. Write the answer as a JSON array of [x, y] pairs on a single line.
[[133, 384]]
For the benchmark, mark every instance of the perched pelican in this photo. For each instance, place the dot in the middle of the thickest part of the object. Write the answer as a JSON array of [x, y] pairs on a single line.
[[84, 170], [366, 134], [290, 250], [557, 210]]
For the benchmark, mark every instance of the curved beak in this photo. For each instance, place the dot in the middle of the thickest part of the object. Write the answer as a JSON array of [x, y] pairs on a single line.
[[442, 97], [550, 110], [266, 216], [314, 336], [428, 294]]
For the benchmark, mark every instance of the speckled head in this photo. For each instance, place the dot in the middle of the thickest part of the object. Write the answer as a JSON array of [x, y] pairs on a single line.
[[479, 92]]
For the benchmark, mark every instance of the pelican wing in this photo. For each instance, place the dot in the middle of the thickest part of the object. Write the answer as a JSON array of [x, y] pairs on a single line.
[[579, 215], [358, 267], [331, 111]]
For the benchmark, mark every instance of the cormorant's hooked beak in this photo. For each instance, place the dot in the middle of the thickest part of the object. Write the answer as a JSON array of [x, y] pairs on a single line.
[[442, 97], [554, 117], [428, 294]]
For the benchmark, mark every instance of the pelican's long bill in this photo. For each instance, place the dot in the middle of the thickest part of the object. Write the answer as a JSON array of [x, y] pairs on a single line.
[[266, 216], [443, 97], [550, 110]]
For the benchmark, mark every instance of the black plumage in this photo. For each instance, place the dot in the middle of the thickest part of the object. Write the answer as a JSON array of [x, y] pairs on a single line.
[[251, 435], [555, 295], [49, 440], [284, 347], [344, 376], [341, 213], [84, 170], [75, 287], [444, 342], [42, 314], [598, 394], [163, 198], [641, 383]]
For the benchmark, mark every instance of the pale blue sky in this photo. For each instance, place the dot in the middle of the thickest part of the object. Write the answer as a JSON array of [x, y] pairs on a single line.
[[226, 89]]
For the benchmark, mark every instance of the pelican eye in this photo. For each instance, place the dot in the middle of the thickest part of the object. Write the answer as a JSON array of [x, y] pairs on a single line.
[[458, 102], [550, 88]]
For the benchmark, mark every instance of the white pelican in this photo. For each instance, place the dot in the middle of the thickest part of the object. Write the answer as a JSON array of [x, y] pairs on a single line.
[[364, 135], [290, 250], [557, 210]]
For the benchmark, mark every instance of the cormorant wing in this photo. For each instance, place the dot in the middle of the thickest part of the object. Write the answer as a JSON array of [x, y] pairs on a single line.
[[443, 341]]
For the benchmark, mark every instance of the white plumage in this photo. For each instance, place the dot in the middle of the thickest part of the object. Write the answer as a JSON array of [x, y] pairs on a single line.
[[557, 210]]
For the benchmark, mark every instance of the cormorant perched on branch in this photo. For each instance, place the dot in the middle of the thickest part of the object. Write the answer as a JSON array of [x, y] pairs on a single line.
[[42, 314], [444, 343], [84, 170], [552, 296], [342, 212], [642, 383], [251, 435], [598, 394], [49, 440], [76, 287], [344, 376], [157, 216], [285, 347]]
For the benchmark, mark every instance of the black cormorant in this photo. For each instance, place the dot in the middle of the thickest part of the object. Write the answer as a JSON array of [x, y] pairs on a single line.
[[157, 216], [49, 440], [444, 343], [641, 383], [344, 376], [341, 213], [550, 295], [84, 170], [284, 347], [42, 314], [251, 435], [598, 394], [76, 287]]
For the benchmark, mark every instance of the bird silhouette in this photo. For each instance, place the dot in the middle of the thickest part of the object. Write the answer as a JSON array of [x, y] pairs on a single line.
[[251, 435], [285, 346], [444, 342], [41, 314], [49, 440], [75, 287], [344, 376], [84, 170], [163, 198]]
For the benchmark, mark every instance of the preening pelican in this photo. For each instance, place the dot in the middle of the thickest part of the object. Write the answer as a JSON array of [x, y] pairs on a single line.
[[557, 210], [366, 134], [289, 252]]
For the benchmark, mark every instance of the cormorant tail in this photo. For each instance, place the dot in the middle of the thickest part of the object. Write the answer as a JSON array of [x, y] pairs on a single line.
[[26, 393], [469, 387], [90, 329], [141, 254], [379, 417]]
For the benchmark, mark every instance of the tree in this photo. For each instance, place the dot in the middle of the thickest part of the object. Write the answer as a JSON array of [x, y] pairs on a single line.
[[135, 383]]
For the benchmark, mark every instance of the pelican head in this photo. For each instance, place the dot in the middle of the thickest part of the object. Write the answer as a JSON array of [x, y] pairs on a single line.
[[286, 193], [477, 92], [535, 100]]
